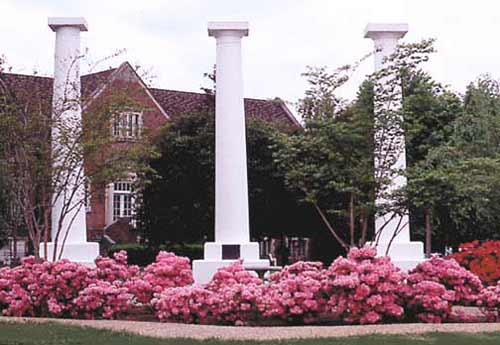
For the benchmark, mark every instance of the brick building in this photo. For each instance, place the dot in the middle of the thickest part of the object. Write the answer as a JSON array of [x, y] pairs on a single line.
[[110, 210]]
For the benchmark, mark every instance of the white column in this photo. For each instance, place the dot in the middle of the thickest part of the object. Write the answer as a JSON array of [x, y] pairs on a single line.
[[393, 232], [231, 191], [66, 107], [232, 233]]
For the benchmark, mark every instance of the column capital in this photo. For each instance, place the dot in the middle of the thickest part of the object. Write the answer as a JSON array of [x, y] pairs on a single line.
[[59, 22], [238, 29], [377, 31]]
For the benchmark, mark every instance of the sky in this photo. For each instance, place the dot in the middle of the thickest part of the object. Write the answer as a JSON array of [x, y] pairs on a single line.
[[169, 40]]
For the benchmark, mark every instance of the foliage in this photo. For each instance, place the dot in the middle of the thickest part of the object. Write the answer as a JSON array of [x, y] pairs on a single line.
[[437, 284], [358, 289], [232, 297], [296, 294], [458, 177], [67, 289], [451, 275], [168, 270], [42, 173], [103, 300], [142, 254], [178, 204], [481, 259], [489, 302], [429, 301], [42, 289], [364, 288], [331, 162]]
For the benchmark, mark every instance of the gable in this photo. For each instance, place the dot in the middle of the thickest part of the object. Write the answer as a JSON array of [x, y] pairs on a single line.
[[165, 102]]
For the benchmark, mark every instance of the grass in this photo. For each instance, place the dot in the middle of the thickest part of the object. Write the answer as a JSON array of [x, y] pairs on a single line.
[[53, 334]]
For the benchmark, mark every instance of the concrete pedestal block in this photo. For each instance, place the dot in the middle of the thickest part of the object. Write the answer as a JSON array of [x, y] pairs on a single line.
[[83, 253], [405, 255], [203, 270]]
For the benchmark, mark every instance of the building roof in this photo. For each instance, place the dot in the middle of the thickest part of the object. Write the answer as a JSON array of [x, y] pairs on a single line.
[[173, 102]]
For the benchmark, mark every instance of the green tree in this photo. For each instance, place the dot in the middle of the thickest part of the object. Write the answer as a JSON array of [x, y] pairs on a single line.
[[456, 182], [178, 203], [331, 163], [429, 110], [30, 160]]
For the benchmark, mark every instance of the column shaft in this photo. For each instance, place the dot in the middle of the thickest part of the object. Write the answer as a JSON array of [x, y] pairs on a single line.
[[67, 113], [231, 190]]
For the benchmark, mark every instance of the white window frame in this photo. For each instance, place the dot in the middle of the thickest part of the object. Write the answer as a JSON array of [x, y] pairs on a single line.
[[120, 191], [128, 125]]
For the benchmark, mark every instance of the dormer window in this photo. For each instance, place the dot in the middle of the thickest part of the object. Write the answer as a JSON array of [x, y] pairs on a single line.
[[128, 126]]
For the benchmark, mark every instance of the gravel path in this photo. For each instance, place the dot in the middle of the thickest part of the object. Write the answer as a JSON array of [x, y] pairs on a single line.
[[174, 330]]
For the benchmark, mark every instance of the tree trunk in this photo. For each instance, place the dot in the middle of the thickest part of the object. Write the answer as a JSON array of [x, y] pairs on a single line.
[[428, 232], [364, 228], [330, 228], [351, 219]]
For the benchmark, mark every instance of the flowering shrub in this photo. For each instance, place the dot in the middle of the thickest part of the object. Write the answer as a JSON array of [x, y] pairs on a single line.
[[233, 296], [168, 271], [42, 288], [190, 304], [451, 275], [481, 259], [296, 293], [230, 275], [489, 302], [429, 301], [115, 268], [63, 288], [238, 295], [363, 288], [103, 300]]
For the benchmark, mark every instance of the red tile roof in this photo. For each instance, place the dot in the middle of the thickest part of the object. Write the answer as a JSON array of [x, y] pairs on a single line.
[[173, 102]]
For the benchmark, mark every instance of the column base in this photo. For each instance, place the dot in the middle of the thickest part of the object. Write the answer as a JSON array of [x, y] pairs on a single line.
[[405, 255], [218, 255], [83, 253]]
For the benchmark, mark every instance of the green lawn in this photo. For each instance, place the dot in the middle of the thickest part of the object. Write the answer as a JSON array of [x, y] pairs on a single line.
[[45, 334]]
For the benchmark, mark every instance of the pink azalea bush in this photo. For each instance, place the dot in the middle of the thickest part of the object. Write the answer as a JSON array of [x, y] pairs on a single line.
[[364, 289], [360, 288], [233, 296], [489, 302], [67, 289], [437, 284], [466, 285], [238, 295], [296, 293], [42, 288], [429, 301], [169, 270], [189, 304], [103, 299], [115, 268]]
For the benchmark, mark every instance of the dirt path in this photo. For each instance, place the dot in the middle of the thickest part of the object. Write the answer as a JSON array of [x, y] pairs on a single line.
[[174, 330]]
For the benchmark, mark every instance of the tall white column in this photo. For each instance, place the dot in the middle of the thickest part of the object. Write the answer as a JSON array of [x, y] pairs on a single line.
[[392, 231], [231, 191], [232, 232], [66, 110]]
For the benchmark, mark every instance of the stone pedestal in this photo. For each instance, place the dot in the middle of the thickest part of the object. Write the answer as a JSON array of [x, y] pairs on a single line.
[[393, 232], [66, 106], [232, 233]]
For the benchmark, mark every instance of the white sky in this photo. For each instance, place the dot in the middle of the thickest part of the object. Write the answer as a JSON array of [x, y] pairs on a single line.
[[169, 38]]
